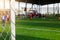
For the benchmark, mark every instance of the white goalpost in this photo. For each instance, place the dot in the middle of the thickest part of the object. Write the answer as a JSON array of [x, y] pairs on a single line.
[[12, 7]]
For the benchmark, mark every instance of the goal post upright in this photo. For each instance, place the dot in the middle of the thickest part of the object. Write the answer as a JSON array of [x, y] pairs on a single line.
[[12, 7]]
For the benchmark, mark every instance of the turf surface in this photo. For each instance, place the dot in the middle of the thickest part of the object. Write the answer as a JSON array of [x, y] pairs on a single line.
[[38, 29]]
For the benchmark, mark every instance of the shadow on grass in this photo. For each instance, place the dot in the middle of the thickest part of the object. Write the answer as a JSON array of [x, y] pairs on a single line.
[[34, 24], [21, 37]]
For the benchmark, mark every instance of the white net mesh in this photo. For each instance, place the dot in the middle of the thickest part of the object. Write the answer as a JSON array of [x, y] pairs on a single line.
[[5, 32], [6, 23], [5, 29]]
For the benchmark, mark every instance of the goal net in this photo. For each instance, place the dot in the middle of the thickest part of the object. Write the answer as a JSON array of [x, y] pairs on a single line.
[[7, 20]]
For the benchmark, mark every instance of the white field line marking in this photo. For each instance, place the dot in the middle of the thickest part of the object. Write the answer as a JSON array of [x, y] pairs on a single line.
[[39, 29]]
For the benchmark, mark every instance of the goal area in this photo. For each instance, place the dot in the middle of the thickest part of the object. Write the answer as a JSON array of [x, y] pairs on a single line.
[[7, 20]]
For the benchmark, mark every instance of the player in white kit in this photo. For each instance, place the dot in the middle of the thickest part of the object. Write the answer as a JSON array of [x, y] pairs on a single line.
[[3, 20]]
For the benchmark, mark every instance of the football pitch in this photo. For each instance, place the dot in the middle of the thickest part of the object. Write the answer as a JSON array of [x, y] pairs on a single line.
[[38, 29], [35, 29]]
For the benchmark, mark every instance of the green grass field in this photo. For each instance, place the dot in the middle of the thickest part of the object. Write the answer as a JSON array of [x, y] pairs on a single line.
[[38, 29], [35, 29]]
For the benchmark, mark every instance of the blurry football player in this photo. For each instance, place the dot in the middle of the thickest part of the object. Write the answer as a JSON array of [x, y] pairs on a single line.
[[3, 20]]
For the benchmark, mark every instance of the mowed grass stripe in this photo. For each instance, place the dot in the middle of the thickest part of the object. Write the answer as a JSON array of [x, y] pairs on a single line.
[[38, 29], [39, 24]]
